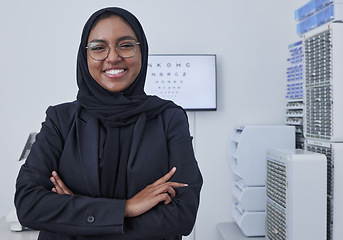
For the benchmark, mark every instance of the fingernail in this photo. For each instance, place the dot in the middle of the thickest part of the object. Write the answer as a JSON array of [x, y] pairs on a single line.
[[52, 179], [186, 185], [54, 173], [174, 168]]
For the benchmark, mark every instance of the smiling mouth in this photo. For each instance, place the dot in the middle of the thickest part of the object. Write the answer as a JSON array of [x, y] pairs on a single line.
[[115, 71]]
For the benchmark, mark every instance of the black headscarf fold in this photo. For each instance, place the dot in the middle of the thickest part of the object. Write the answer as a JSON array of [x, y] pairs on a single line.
[[118, 111]]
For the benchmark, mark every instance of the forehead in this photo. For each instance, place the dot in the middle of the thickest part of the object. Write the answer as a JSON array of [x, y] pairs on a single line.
[[111, 29]]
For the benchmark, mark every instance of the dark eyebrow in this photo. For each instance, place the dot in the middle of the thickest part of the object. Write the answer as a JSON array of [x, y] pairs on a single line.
[[126, 38], [98, 40], [119, 39]]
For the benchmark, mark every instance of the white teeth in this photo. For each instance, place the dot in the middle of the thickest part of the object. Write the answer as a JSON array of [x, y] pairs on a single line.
[[115, 71]]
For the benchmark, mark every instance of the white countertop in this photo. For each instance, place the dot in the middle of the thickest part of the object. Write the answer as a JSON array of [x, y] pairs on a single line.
[[231, 231], [6, 233]]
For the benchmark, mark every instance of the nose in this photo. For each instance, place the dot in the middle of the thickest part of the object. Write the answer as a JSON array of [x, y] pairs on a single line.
[[113, 56]]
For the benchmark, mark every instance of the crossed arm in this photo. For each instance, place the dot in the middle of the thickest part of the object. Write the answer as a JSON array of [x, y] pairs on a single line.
[[160, 191]]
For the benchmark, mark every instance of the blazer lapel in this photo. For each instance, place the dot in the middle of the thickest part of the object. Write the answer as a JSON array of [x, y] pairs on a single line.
[[136, 139], [88, 137]]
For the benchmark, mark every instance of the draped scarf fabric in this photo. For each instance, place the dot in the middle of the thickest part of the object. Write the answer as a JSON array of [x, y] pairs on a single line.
[[118, 112]]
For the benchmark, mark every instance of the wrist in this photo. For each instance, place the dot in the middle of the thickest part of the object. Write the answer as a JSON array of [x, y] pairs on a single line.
[[127, 208]]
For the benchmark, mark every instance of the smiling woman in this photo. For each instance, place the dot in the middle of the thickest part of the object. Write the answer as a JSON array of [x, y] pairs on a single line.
[[113, 71], [115, 163]]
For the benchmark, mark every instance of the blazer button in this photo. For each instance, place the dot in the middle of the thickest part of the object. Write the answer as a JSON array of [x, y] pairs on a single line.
[[90, 219]]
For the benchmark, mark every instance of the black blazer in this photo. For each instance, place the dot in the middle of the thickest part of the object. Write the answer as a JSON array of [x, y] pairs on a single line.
[[68, 143]]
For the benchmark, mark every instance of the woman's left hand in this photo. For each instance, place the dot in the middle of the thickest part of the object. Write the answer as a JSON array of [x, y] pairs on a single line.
[[60, 187]]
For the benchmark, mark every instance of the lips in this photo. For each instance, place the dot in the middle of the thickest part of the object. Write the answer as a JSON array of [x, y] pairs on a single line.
[[114, 71]]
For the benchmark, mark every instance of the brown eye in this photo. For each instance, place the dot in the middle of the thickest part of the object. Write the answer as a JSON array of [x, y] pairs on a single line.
[[97, 47], [127, 45]]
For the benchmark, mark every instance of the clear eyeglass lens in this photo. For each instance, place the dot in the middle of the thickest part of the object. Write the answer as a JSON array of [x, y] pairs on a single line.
[[99, 50], [126, 48]]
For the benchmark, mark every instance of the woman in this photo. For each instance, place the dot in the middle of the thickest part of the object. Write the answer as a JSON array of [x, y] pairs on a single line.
[[122, 162]]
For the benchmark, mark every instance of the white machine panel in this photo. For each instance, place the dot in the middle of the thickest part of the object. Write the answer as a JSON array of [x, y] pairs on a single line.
[[251, 223], [323, 84], [296, 195], [248, 146], [250, 198], [334, 155]]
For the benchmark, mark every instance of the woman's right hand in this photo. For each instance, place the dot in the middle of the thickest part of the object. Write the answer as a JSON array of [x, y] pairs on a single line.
[[60, 187], [150, 196]]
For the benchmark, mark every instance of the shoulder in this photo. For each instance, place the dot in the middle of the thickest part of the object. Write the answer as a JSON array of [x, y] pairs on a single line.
[[64, 112], [175, 112], [166, 110], [175, 117], [66, 107]]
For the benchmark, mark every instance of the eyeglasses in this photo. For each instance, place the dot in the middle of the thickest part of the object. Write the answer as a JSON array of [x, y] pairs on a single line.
[[99, 50]]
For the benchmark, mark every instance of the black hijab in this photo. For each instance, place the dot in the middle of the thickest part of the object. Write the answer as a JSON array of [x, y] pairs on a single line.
[[121, 108], [123, 114]]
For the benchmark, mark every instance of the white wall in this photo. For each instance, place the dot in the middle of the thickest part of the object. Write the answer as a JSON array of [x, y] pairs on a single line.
[[38, 46]]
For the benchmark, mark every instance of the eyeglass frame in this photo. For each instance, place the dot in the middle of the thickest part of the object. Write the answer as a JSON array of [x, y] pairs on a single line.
[[115, 48]]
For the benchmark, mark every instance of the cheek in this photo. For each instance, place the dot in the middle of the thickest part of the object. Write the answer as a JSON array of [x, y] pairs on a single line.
[[137, 65], [93, 67]]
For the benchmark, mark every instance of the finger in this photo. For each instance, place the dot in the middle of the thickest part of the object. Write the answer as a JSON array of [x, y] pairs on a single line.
[[57, 188], [60, 183], [166, 189], [61, 188], [53, 180], [165, 178], [168, 200], [165, 198], [170, 188], [58, 179], [177, 184]]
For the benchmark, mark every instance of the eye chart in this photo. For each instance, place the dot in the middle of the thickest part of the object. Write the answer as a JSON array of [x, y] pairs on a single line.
[[188, 80]]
